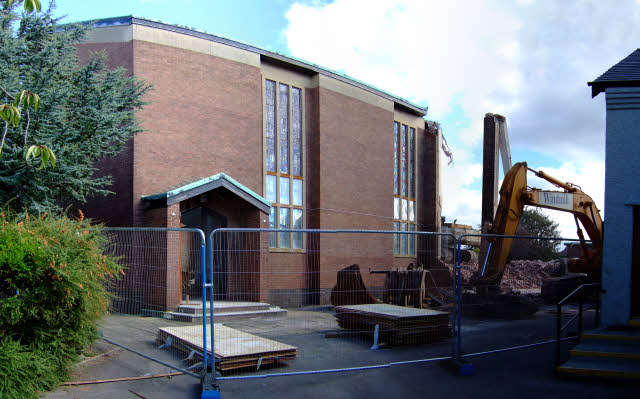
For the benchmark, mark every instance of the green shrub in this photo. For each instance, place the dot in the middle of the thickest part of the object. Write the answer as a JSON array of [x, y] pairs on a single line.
[[52, 296]]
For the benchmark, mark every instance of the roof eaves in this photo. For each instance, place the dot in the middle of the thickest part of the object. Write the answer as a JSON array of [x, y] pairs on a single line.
[[190, 186], [626, 73], [598, 87]]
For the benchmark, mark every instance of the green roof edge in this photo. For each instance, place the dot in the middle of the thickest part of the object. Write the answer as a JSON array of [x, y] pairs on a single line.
[[198, 183]]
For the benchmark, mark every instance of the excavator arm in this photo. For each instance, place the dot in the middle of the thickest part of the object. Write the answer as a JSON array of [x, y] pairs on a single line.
[[514, 196]]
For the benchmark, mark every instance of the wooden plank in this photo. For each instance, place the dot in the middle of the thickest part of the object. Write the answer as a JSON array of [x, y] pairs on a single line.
[[397, 325], [231, 345], [384, 310]]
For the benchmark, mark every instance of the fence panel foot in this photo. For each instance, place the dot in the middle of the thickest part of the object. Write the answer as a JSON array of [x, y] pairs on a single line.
[[465, 368], [210, 389]]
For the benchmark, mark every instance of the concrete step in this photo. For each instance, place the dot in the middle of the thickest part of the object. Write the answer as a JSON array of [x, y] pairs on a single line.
[[601, 367], [222, 307], [273, 311], [622, 334], [607, 348]]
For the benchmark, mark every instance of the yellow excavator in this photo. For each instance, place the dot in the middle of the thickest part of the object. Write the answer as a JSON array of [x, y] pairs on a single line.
[[514, 196]]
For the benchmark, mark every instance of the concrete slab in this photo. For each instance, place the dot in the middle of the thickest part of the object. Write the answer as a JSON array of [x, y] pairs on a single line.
[[223, 306]]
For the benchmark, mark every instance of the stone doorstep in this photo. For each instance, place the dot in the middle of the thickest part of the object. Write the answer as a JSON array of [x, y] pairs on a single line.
[[227, 316], [223, 307], [607, 348], [601, 367]]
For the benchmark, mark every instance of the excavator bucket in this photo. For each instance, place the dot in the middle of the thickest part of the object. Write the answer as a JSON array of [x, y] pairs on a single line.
[[350, 289]]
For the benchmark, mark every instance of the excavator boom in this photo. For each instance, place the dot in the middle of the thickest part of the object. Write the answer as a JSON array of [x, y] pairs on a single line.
[[514, 196]]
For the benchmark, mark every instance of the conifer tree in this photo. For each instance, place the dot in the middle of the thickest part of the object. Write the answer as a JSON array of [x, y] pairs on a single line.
[[60, 117]]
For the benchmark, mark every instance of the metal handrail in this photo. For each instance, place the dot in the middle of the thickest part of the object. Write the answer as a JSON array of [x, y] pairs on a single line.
[[561, 328]]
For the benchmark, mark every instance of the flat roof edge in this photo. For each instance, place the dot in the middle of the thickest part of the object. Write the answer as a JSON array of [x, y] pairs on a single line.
[[123, 20]]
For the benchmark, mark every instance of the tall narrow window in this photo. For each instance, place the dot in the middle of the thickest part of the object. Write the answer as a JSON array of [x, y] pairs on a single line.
[[404, 188], [396, 137], [270, 126], [283, 162], [283, 127]]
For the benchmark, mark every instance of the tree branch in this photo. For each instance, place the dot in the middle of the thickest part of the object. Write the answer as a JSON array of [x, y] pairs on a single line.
[[27, 128], [6, 126], [7, 93]]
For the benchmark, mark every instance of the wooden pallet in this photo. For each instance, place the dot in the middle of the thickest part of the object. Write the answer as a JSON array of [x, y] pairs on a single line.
[[397, 325], [234, 349]]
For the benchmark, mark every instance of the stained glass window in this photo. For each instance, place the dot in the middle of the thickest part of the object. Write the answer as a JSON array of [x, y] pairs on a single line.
[[296, 131], [396, 208], [297, 192], [283, 126], [412, 162], [271, 188], [284, 159], [285, 238], [396, 133], [284, 190], [396, 238], [412, 240], [297, 224], [404, 188], [403, 161], [403, 239], [270, 125], [272, 225]]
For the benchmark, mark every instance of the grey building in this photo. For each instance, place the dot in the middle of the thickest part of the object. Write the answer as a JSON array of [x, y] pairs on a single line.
[[621, 252]]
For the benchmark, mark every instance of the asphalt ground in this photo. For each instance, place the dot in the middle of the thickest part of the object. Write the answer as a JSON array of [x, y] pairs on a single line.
[[524, 373]]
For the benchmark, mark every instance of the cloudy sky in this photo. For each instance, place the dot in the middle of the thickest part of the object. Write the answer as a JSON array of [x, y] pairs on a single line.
[[527, 60]]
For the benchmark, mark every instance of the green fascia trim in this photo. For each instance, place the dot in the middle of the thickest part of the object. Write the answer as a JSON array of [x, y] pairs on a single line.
[[201, 182]]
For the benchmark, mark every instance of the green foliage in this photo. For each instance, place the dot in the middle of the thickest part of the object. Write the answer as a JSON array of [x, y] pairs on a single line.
[[84, 112], [29, 5], [27, 371], [52, 295], [45, 154], [534, 223]]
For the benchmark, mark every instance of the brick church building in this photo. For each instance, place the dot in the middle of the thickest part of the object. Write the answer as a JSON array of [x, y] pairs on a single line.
[[237, 136]]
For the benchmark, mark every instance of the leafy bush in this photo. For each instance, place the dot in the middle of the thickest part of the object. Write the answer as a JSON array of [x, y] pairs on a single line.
[[52, 296]]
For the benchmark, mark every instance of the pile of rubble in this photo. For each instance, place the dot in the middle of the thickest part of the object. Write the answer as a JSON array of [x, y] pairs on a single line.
[[518, 274], [525, 274]]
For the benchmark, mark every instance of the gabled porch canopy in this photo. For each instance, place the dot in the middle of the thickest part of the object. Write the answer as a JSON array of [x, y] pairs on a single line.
[[202, 186]]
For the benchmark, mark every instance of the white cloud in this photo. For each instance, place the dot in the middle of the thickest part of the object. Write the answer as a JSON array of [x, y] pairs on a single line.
[[529, 61], [459, 202]]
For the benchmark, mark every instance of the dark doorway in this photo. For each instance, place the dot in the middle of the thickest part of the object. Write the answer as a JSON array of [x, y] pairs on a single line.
[[635, 264], [208, 220]]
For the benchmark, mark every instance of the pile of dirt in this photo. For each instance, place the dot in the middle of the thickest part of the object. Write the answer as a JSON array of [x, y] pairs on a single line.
[[518, 274], [525, 274]]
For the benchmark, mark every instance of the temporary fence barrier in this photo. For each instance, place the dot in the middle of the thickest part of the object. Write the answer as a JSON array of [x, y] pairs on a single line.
[[291, 302], [509, 288], [159, 291], [262, 303]]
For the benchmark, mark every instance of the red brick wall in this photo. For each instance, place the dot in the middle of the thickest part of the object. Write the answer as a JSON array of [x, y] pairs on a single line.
[[204, 117], [355, 177]]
